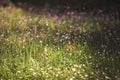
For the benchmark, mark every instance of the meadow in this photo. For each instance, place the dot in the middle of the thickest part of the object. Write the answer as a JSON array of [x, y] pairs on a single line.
[[67, 46]]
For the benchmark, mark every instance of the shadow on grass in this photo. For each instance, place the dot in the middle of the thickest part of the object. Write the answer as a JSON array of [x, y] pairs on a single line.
[[105, 46]]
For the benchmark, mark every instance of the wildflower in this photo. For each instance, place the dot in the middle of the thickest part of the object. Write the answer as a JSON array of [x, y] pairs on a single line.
[[23, 40], [49, 68], [46, 22], [78, 72], [73, 69], [75, 65], [56, 75], [35, 74], [75, 73], [18, 71], [107, 77], [31, 69], [40, 42], [71, 78], [86, 75]]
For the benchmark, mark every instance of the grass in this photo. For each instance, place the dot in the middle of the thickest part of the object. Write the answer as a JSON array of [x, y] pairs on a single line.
[[51, 47]]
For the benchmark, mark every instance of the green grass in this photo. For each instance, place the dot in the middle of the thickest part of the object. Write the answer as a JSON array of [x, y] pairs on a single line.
[[42, 47]]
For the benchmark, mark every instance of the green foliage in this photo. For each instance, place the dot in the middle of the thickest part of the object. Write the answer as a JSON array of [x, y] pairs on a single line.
[[58, 47]]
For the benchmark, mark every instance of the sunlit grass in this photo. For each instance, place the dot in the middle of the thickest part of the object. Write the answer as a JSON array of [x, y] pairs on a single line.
[[46, 47]]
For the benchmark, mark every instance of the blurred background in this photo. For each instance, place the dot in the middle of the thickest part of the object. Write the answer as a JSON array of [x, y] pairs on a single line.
[[78, 5]]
